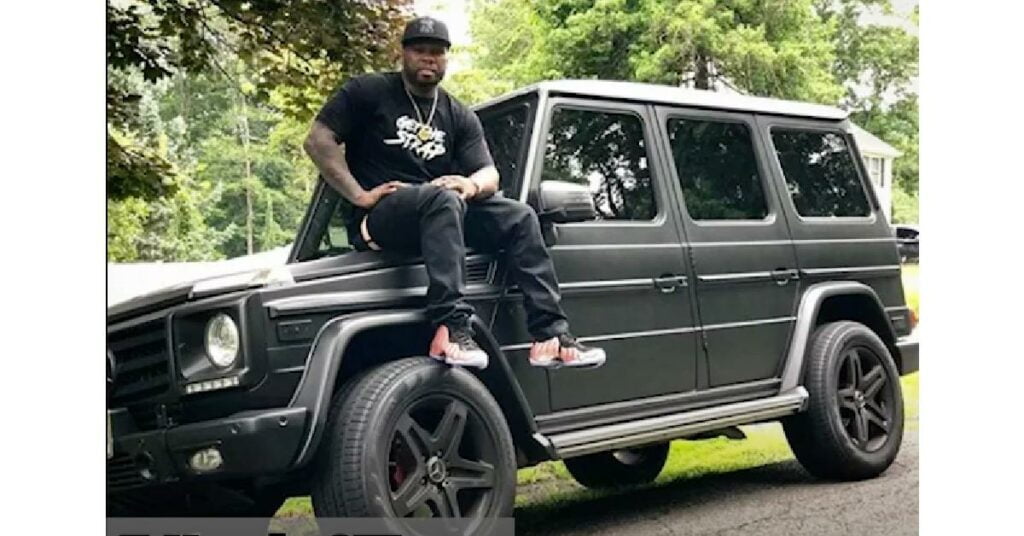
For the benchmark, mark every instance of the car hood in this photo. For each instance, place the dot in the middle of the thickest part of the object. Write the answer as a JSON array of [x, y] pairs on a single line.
[[198, 289]]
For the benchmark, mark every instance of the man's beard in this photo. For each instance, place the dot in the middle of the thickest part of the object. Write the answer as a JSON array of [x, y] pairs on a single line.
[[426, 85]]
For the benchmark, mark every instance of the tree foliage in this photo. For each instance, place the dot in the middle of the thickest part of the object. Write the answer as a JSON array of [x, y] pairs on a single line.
[[779, 49], [207, 105], [298, 48], [812, 50]]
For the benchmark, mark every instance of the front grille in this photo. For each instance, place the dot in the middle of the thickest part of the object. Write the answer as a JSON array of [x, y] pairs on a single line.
[[142, 365], [122, 473]]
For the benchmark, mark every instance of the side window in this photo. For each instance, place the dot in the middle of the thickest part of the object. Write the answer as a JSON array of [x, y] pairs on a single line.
[[505, 133], [820, 173], [717, 170], [606, 152], [874, 166]]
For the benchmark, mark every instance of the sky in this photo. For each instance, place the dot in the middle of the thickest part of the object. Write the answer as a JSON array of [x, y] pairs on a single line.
[[454, 13]]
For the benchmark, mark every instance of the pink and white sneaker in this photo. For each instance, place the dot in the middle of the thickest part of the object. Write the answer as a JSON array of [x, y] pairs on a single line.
[[565, 351], [457, 347]]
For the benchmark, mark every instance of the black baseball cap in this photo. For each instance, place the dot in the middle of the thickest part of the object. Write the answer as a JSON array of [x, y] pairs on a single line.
[[426, 28]]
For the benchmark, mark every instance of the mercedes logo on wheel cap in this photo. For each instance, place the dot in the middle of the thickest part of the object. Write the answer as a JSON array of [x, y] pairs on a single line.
[[436, 470]]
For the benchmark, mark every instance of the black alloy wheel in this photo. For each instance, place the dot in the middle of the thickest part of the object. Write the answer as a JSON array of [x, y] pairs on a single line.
[[442, 460], [416, 438], [853, 426], [865, 397]]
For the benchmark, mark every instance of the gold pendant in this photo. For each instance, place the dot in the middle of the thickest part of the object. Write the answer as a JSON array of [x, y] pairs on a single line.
[[424, 133]]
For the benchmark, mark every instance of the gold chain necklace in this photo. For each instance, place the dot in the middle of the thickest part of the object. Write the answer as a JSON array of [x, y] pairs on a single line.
[[426, 131]]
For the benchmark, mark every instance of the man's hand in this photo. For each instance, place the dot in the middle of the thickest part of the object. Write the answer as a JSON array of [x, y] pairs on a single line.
[[370, 198], [467, 188]]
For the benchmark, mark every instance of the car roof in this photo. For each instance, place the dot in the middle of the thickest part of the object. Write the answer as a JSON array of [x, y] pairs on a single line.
[[661, 94]]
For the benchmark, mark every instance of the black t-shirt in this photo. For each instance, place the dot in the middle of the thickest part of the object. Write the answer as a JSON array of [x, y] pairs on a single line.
[[385, 139]]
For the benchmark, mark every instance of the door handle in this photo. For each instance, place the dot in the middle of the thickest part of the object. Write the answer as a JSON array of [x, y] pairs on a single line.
[[783, 276], [668, 283]]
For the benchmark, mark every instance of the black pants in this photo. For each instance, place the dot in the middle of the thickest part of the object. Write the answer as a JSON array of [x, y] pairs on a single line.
[[437, 224]]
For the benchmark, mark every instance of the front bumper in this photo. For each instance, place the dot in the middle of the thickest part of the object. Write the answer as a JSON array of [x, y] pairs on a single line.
[[909, 353], [251, 443]]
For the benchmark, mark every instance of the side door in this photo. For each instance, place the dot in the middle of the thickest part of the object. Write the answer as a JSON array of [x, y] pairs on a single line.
[[743, 257], [623, 276]]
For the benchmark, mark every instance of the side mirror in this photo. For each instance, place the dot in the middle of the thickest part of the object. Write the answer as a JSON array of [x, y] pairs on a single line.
[[565, 202]]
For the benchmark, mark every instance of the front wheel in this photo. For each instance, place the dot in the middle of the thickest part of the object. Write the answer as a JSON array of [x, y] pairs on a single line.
[[853, 426], [415, 438], [617, 468]]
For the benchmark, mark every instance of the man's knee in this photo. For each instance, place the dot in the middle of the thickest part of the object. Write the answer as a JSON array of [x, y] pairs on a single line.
[[437, 195], [523, 214]]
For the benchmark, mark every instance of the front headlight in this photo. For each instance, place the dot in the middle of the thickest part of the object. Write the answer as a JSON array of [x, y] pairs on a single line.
[[222, 341]]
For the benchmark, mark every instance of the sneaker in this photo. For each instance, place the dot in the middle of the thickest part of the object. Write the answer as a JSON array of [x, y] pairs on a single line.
[[545, 354], [456, 346], [565, 350]]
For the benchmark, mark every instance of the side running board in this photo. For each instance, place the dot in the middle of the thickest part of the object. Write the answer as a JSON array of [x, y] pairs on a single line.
[[676, 425]]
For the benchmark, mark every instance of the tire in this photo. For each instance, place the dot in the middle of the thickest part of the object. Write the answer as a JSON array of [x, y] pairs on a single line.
[[322, 492], [416, 429], [853, 426], [618, 468]]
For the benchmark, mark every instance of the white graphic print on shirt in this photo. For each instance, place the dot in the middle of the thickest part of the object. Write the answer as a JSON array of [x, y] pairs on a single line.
[[422, 140]]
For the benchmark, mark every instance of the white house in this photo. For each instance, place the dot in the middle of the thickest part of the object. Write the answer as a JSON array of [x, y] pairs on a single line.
[[878, 157]]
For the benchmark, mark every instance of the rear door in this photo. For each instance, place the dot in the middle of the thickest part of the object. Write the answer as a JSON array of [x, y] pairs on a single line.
[[744, 261], [624, 275]]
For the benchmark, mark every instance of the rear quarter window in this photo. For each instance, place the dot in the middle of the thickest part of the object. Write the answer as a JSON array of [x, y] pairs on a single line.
[[820, 173]]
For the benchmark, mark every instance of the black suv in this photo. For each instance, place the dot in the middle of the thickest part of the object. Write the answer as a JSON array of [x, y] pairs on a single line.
[[726, 251]]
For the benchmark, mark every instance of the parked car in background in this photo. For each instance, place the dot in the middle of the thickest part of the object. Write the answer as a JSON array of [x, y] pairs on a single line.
[[908, 241]]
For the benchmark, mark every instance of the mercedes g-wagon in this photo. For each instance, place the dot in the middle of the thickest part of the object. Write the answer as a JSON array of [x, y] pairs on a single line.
[[728, 252]]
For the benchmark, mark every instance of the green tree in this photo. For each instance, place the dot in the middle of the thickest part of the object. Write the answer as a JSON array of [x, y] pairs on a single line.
[[877, 64], [780, 49], [303, 49]]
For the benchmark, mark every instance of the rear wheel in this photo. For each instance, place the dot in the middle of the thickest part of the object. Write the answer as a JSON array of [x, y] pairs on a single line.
[[853, 426], [416, 438], [617, 468]]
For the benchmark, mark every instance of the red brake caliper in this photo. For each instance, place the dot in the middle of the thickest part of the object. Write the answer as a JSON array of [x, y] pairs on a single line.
[[397, 475], [397, 472]]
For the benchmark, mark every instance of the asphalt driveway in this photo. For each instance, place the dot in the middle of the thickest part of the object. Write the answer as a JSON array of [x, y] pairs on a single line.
[[777, 499]]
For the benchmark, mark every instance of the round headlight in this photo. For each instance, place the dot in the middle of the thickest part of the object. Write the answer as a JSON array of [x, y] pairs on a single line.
[[222, 340]]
